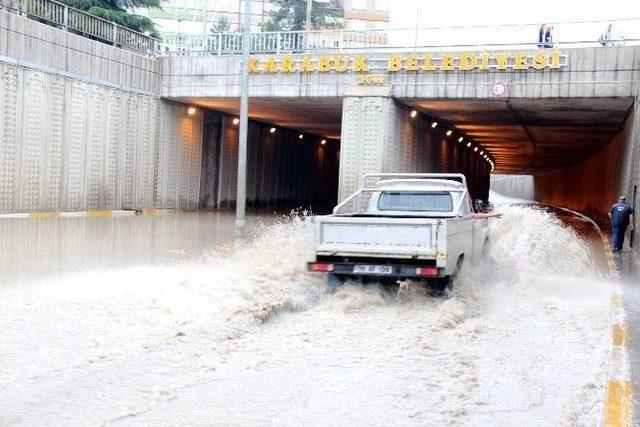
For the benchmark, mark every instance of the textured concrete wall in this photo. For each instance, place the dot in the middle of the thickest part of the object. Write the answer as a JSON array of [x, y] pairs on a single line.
[[611, 72], [379, 136], [282, 170], [177, 157], [81, 126], [68, 145]]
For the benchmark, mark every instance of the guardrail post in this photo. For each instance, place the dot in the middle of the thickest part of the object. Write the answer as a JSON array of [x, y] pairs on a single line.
[[65, 17], [278, 34], [115, 34], [219, 36]]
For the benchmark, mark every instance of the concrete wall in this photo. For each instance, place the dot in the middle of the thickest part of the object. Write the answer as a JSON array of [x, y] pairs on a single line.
[[611, 72], [377, 137], [68, 145], [81, 127], [380, 136], [177, 157], [37, 46]]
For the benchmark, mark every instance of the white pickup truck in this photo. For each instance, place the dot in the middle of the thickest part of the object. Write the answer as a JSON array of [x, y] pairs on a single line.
[[398, 226]]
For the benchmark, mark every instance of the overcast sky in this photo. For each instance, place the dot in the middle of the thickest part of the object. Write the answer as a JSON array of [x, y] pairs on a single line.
[[468, 12]]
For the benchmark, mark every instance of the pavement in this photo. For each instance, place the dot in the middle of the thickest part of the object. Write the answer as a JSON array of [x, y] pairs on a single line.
[[628, 264]]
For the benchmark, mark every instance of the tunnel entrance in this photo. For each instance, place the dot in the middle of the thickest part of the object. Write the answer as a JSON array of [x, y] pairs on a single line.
[[295, 145], [293, 154], [573, 147]]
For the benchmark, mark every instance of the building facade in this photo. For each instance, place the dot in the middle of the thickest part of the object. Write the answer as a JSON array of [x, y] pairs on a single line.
[[203, 16]]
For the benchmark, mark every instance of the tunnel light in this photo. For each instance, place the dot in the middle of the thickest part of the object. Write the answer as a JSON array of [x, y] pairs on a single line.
[[481, 153], [449, 132], [191, 111], [272, 130], [434, 125], [413, 114], [236, 121], [468, 144], [324, 141], [475, 149], [461, 139], [300, 136]]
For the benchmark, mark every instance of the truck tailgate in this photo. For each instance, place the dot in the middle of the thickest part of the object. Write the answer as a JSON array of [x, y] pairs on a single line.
[[366, 236]]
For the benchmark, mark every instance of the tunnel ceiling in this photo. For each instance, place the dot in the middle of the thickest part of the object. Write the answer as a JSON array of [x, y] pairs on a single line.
[[529, 136], [321, 116], [533, 136]]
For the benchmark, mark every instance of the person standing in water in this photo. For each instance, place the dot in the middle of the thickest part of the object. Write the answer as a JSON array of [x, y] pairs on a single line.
[[621, 215]]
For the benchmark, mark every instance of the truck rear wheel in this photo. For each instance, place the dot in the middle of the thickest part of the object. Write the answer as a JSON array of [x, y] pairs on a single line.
[[443, 286], [334, 281]]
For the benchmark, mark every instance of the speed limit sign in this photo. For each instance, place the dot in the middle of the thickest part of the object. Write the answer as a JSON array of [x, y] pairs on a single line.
[[499, 90]]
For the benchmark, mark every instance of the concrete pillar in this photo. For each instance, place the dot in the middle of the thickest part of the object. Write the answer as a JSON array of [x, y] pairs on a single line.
[[378, 135]]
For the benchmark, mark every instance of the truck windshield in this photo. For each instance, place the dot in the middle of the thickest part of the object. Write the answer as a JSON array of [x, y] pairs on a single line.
[[415, 202]]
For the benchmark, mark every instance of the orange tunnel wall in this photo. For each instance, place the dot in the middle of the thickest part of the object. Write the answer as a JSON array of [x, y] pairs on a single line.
[[592, 186]]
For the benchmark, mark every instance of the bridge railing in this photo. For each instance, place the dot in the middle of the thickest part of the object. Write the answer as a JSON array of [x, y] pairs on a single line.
[[80, 22], [583, 33]]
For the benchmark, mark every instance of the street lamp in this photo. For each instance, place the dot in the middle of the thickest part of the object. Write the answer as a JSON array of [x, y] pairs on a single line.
[[241, 194]]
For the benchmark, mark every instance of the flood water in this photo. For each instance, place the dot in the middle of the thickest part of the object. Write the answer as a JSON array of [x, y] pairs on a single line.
[[164, 321]]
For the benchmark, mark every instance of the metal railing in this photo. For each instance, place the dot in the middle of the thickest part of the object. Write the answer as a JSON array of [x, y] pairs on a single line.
[[83, 23], [460, 38], [582, 33]]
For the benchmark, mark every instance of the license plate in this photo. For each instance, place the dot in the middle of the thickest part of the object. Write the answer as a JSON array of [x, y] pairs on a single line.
[[372, 269]]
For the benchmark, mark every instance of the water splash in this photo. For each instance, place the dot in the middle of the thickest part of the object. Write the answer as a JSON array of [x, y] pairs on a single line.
[[249, 320]]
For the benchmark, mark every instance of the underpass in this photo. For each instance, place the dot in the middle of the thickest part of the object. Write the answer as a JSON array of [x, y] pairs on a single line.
[[212, 327]]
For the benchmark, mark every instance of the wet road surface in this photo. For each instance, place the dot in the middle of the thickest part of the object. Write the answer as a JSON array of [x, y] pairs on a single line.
[[161, 321]]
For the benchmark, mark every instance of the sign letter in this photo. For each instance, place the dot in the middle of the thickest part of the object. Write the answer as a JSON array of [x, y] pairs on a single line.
[[360, 64], [306, 65], [502, 60], [395, 63], [521, 61], [341, 63], [286, 65], [446, 62], [269, 66], [468, 61], [324, 64], [253, 65], [555, 59], [412, 63], [428, 66]]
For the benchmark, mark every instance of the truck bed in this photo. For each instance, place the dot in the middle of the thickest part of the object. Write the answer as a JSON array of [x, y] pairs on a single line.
[[374, 236]]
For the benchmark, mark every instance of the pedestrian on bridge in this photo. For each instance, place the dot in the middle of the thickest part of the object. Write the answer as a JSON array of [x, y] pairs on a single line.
[[543, 29], [606, 39], [621, 215]]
